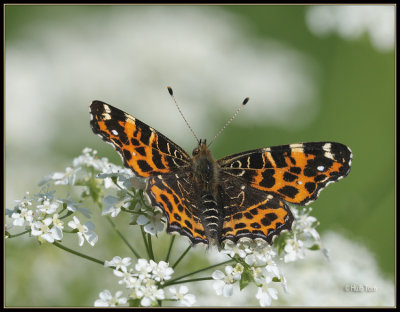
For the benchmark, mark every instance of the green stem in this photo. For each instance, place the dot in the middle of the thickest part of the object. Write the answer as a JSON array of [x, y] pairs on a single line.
[[19, 234], [190, 280], [78, 253], [123, 237], [146, 244], [181, 257], [150, 246], [195, 272], [170, 247]]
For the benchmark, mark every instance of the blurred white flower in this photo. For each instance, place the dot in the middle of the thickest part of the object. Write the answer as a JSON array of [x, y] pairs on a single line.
[[215, 46], [352, 21], [67, 177], [320, 282]]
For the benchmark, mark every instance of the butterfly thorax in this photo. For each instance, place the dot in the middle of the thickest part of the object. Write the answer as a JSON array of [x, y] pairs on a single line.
[[205, 169], [205, 178]]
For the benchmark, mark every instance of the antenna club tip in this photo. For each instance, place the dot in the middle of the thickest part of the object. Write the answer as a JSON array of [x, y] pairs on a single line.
[[170, 90], [245, 100]]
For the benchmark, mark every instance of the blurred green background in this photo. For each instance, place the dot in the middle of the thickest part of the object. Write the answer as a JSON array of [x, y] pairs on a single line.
[[352, 102]]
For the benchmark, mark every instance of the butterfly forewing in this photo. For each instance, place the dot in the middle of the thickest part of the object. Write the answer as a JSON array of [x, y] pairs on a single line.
[[296, 172], [143, 149]]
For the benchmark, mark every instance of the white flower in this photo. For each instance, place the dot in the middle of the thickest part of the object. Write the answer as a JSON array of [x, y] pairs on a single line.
[[57, 222], [162, 271], [143, 267], [129, 278], [224, 283], [47, 207], [294, 250], [26, 202], [240, 248], [112, 205], [265, 294], [67, 177], [107, 300], [149, 293], [85, 231], [23, 215], [119, 263], [86, 159], [152, 222], [259, 253], [73, 206], [182, 296], [43, 230]]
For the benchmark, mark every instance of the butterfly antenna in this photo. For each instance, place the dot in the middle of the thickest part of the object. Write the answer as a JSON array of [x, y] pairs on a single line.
[[179, 109], [231, 119]]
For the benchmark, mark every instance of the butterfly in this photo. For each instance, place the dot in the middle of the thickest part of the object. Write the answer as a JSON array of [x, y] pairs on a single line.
[[237, 196]]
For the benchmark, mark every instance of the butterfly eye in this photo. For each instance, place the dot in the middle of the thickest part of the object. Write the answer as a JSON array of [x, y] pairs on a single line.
[[196, 151]]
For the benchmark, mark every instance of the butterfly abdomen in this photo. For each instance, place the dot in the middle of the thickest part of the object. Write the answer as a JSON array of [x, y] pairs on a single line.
[[211, 217]]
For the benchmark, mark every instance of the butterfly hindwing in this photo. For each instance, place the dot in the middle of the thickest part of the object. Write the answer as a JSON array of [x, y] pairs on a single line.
[[251, 213], [174, 194], [143, 149], [296, 173]]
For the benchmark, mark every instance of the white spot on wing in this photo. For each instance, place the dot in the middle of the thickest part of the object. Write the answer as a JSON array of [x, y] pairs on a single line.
[[321, 168], [115, 132], [327, 147], [297, 147], [107, 109]]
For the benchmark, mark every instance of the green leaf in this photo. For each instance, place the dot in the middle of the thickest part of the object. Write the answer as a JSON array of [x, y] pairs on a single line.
[[246, 278], [315, 247], [134, 302]]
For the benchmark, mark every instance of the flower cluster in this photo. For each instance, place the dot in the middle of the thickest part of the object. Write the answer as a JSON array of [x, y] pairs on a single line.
[[41, 216], [43, 213], [304, 235], [256, 260], [254, 263], [145, 283]]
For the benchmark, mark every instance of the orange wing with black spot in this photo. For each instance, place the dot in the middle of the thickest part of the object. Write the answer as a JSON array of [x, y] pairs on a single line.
[[143, 149], [296, 173]]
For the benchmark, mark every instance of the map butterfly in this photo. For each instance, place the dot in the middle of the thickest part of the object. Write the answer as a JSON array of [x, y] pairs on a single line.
[[210, 201]]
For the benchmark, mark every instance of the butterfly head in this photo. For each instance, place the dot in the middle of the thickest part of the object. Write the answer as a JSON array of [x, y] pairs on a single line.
[[201, 149]]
